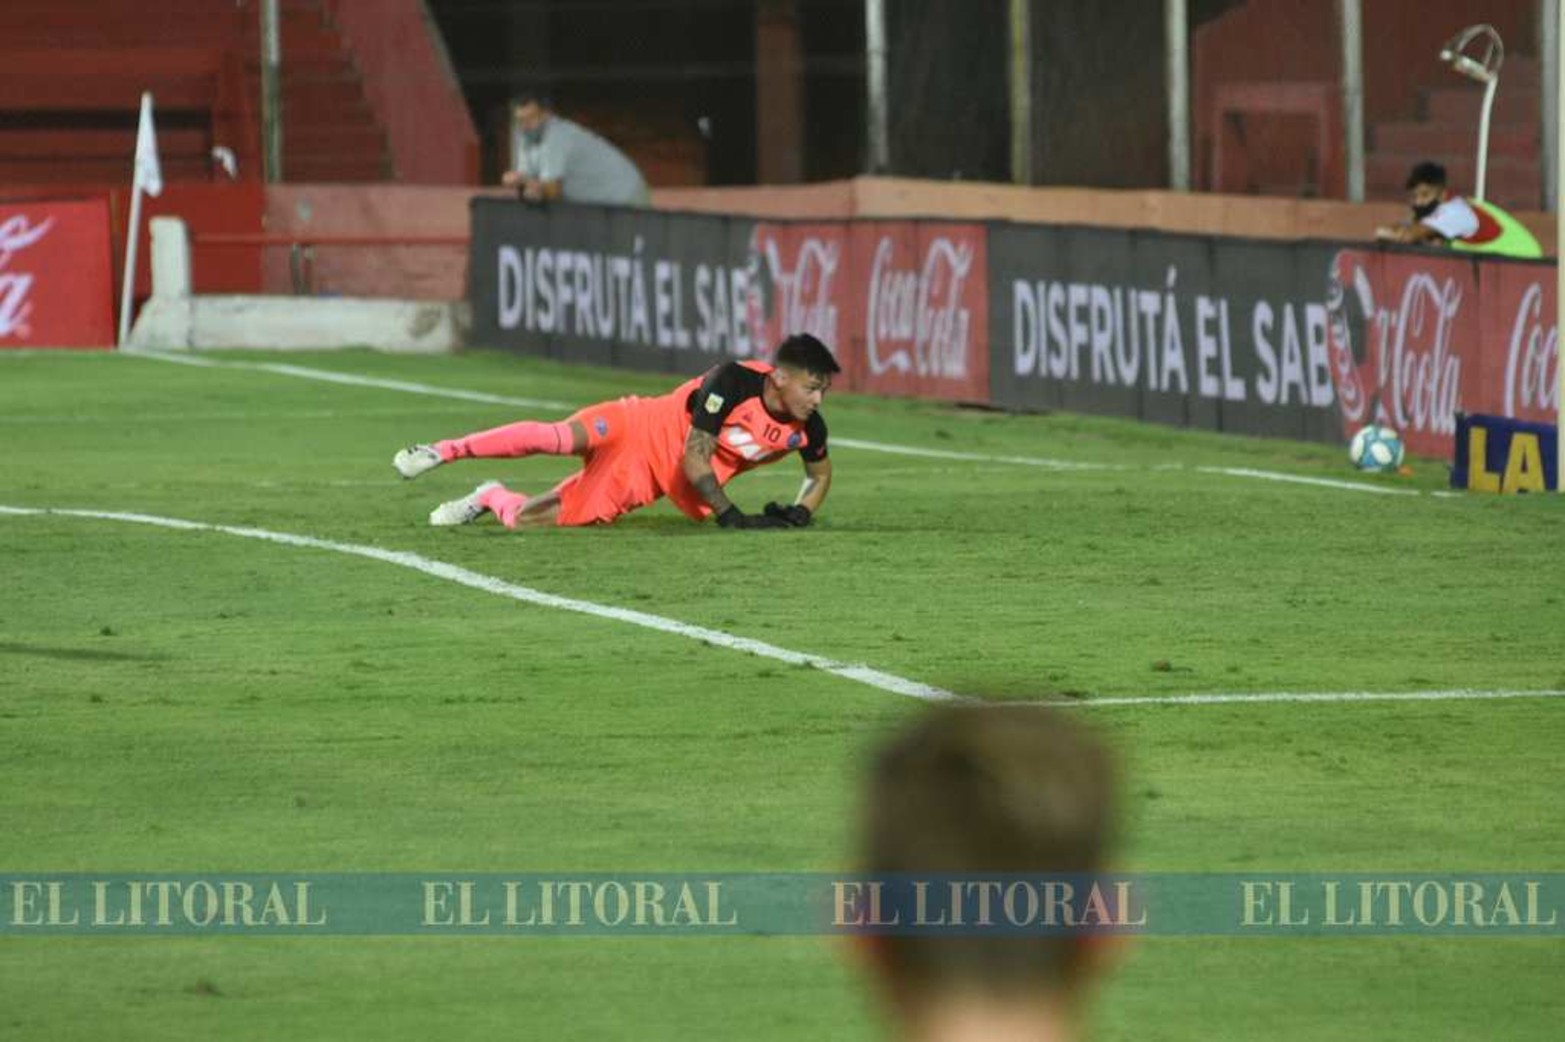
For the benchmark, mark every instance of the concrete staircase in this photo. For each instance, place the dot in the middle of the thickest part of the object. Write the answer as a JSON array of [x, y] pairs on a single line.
[[71, 75], [1447, 133], [330, 132]]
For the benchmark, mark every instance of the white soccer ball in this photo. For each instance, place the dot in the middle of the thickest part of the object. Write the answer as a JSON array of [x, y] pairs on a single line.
[[1376, 448]]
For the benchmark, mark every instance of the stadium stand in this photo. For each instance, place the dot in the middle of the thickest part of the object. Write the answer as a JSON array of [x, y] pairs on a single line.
[[1265, 105], [1445, 135], [71, 76]]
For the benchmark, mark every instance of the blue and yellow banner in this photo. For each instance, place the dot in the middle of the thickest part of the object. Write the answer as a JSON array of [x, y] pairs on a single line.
[[1498, 454]]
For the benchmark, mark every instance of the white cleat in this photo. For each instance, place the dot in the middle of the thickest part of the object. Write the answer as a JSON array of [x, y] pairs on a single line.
[[462, 511], [415, 459]]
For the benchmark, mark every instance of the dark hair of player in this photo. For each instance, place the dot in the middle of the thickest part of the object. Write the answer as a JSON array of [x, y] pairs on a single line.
[[532, 96], [803, 351], [969, 790], [1426, 173]]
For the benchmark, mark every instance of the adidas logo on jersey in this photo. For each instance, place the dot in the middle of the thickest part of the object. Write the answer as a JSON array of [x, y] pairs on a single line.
[[744, 443]]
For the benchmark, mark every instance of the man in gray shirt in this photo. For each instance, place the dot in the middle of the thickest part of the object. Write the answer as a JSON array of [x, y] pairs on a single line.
[[554, 158]]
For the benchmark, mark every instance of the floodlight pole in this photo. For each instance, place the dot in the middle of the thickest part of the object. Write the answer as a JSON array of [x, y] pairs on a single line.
[[875, 55], [1021, 92], [271, 93], [1177, 31], [1351, 16]]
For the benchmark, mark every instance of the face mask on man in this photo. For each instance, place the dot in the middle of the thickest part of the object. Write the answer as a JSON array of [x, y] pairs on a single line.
[[1420, 212], [533, 137]]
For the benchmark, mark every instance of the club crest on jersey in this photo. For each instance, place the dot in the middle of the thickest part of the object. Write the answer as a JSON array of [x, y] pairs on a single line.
[[601, 426], [795, 440], [714, 402]]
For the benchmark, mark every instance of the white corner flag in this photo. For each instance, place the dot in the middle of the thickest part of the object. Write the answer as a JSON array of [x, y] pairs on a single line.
[[149, 172], [147, 177]]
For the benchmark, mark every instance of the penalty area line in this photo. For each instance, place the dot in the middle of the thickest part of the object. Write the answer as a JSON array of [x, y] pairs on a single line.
[[857, 673], [848, 671]]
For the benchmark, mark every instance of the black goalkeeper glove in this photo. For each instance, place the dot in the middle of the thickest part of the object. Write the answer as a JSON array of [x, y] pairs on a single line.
[[733, 517], [795, 516]]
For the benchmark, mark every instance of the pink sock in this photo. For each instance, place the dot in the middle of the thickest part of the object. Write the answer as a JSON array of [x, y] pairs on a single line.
[[526, 438], [504, 504]]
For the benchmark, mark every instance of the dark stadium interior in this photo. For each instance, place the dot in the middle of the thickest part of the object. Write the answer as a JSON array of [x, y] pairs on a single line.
[[675, 81]]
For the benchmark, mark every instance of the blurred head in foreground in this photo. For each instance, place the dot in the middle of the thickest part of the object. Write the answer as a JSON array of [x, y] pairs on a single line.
[[969, 790]]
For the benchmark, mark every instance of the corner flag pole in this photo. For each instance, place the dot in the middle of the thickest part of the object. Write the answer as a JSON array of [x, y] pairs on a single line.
[[147, 177], [1559, 268]]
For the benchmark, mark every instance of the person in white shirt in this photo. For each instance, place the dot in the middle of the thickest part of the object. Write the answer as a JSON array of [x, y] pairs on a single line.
[[1439, 216], [556, 158], [1443, 218]]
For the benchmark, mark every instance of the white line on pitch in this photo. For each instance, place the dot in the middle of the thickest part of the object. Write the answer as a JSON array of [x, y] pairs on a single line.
[[862, 674], [1299, 479], [350, 379], [972, 457], [529, 402], [1454, 695], [200, 361], [353, 380], [489, 584]]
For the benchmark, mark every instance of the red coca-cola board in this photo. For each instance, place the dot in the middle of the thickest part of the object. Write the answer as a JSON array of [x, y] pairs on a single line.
[[1519, 318], [903, 303], [799, 282], [919, 318], [1415, 339], [55, 284]]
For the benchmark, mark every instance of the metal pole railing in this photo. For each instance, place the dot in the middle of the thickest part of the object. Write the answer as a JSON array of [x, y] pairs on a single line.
[[1021, 92], [875, 55], [1176, 14], [1549, 50], [1559, 234], [271, 93], [1351, 17]]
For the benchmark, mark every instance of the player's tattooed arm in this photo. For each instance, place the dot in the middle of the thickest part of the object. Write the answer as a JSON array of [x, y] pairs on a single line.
[[699, 447], [817, 481]]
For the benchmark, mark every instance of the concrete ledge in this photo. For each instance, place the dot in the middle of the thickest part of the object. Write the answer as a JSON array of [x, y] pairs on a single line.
[[1205, 213], [174, 318], [284, 323]]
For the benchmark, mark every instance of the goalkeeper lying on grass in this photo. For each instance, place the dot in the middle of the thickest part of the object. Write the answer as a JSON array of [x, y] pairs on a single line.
[[685, 445]]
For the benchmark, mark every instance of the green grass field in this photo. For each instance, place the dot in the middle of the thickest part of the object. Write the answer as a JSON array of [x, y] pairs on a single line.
[[191, 701]]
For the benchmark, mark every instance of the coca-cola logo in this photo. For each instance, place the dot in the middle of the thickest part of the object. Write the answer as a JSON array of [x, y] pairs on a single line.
[[916, 319], [16, 235], [1413, 376], [797, 299], [1417, 366], [1344, 367], [1532, 363]]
